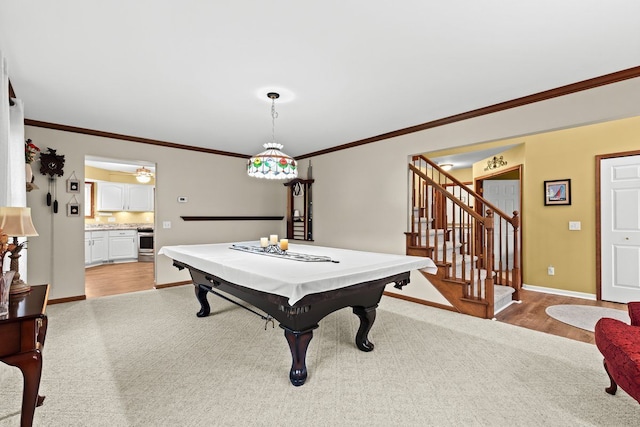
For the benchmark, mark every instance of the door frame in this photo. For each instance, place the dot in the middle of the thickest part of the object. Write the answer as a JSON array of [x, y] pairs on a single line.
[[478, 189], [599, 159]]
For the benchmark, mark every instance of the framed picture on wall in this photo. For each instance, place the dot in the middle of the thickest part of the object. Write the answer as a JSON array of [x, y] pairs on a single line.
[[73, 209], [73, 186], [557, 192]]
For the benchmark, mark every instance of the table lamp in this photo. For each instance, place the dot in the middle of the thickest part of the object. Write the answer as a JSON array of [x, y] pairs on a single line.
[[16, 222]]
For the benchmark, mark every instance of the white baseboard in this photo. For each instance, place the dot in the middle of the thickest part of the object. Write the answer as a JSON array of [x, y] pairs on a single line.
[[562, 292]]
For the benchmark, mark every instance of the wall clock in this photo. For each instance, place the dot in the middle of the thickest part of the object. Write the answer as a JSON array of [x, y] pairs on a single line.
[[51, 163]]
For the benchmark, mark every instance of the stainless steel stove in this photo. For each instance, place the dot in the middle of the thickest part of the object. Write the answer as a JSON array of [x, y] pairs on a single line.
[[145, 244]]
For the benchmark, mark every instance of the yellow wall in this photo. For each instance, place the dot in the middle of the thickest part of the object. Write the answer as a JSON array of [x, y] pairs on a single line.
[[547, 241], [462, 175], [97, 174], [568, 154], [513, 157]]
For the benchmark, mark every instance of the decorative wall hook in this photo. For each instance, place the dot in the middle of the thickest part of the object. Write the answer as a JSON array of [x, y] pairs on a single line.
[[495, 163]]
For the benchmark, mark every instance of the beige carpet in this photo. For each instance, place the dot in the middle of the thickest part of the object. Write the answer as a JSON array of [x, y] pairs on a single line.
[[144, 359], [585, 316]]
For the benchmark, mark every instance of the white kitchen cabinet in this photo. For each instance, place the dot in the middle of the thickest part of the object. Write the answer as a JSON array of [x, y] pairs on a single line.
[[117, 196], [122, 245], [140, 198], [87, 247], [110, 246], [111, 196], [95, 247]]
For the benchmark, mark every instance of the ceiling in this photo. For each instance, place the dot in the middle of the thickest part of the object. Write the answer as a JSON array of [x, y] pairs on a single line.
[[468, 158], [196, 72], [118, 165]]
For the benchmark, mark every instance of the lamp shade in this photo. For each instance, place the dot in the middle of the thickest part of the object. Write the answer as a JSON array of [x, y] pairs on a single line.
[[143, 175], [16, 222], [272, 164]]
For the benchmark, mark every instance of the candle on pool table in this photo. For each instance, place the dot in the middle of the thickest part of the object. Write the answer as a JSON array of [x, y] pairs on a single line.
[[273, 239], [264, 242], [284, 244]]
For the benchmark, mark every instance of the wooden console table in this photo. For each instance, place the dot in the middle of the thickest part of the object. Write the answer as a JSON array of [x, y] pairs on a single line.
[[23, 332]]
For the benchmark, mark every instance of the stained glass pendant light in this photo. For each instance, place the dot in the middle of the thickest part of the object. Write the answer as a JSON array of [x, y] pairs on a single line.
[[272, 163]]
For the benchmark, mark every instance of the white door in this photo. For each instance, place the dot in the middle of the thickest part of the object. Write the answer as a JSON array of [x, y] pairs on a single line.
[[620, 228], [505, 194]]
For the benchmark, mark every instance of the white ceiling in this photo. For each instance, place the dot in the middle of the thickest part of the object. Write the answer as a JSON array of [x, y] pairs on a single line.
[[467, 159], [118, 165], [197, 72]]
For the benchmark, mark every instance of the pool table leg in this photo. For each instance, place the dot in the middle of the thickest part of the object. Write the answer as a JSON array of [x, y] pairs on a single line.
[[201, 295], [298, 344], [367, 317]]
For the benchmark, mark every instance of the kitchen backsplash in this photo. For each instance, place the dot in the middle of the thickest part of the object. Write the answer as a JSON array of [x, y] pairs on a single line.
[[110, 218]]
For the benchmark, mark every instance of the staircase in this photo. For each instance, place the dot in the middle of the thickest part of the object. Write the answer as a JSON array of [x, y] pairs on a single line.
[[475, 245]]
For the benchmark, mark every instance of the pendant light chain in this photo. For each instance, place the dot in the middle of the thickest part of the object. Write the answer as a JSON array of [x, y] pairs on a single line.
[[274, 116]]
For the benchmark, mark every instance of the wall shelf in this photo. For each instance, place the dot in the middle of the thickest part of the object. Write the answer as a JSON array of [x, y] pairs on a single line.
[[232, 218], [299, 201]]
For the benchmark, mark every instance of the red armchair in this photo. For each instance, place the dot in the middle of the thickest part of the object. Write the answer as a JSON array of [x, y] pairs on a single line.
[[619, 343]]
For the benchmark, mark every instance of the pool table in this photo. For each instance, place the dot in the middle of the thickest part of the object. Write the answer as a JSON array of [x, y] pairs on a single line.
[[297, 294]]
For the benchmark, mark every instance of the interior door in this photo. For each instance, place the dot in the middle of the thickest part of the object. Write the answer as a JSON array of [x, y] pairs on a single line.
[[505, 194], [620, 228]]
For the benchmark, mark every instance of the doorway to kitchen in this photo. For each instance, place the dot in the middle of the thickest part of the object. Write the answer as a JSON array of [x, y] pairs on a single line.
[[119, 226]]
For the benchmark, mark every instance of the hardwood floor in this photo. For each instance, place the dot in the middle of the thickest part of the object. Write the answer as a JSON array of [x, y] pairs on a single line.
[[113, 279], [531, 314]]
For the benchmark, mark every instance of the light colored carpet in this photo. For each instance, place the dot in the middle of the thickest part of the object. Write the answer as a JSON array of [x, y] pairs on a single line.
[[145, 359], [584, 316]]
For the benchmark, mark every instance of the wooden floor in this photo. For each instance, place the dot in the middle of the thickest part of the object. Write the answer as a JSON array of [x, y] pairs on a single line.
[[531, 314], [115, 279]]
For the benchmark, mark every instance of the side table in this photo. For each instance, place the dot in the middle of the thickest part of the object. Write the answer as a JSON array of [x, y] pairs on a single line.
[[23, 332]]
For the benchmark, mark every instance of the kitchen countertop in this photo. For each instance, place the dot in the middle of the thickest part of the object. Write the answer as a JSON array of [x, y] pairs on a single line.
[[107, 227]]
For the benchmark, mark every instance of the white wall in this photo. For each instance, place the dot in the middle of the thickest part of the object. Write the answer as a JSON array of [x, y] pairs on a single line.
[[359, 195], [215, 186]]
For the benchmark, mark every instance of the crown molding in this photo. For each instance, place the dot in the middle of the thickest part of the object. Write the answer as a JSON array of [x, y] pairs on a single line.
[[606, 79]]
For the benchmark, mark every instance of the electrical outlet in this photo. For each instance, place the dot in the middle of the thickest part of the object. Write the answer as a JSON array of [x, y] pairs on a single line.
[[575, 225], [111, 219], [166, 224], [551, 271]]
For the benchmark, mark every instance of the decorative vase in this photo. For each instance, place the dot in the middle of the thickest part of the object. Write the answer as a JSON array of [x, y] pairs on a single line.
[[28, 173], [5, 285]]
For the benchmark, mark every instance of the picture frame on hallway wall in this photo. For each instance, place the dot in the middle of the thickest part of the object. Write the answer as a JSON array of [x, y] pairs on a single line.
[[557, 192]]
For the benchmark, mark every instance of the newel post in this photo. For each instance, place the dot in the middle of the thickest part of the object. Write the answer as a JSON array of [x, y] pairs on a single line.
[[489, 225], [516, 277]]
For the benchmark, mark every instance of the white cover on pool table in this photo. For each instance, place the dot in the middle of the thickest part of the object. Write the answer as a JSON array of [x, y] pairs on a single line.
[[294, 279]]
